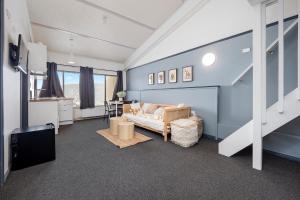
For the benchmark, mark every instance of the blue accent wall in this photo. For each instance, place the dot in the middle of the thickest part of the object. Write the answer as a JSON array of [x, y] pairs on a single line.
[[234, 103], [230, 62]]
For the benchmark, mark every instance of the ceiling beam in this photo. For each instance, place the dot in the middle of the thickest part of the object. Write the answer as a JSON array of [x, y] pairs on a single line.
[[117, 14], [254, 2], [82, 35]]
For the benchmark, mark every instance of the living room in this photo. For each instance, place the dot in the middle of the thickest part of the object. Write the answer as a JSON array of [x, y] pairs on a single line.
[[175, 99]]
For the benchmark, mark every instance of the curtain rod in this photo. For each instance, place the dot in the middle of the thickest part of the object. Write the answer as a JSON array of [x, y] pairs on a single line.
[[68, 65]]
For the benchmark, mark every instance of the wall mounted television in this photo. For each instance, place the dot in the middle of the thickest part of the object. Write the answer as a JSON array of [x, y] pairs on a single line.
[[19, 55]]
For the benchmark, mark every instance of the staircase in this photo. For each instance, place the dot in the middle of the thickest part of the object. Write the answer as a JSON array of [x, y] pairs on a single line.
[[243, 137], [265, 120]]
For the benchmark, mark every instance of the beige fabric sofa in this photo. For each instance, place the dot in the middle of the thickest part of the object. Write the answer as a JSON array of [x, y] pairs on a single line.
[[148, 121]]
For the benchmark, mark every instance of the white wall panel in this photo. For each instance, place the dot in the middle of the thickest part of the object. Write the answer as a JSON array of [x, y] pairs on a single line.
[[16, 22]]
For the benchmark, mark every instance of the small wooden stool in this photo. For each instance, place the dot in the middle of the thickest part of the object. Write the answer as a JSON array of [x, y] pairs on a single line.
[[126, 130], [114, 123]]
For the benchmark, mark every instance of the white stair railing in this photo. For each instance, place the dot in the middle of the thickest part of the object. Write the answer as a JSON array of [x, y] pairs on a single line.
[[270, 48], [281, 56]]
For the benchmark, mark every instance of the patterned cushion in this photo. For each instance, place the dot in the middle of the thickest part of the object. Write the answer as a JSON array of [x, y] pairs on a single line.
[[135, 108], [149, 108]]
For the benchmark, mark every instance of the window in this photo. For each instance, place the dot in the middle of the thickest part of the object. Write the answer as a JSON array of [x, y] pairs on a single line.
[[36, 83], [110, 86], [61, 78], [104, 86], [99, 82], [71, 86]]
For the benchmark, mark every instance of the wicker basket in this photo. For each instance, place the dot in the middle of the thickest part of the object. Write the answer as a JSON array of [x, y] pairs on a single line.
[[200, 124], [184, 132]]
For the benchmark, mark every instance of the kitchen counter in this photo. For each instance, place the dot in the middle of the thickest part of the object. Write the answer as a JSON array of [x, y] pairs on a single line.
[[49, 99]]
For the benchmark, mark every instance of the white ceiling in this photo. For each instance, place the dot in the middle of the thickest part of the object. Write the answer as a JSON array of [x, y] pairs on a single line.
[[128, 24]]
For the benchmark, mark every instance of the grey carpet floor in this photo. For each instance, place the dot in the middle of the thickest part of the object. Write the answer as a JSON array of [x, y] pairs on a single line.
[[88, 167]]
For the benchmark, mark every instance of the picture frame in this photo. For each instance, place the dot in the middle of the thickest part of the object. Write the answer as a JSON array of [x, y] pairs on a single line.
[[151, 79], [161, 77], [187, 73], [173, 76]]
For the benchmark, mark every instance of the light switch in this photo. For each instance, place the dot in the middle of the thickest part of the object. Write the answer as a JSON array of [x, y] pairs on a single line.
[[246, 50]]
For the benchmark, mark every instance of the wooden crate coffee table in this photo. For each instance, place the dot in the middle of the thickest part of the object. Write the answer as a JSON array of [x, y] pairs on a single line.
[[114, 124], [126, 130]]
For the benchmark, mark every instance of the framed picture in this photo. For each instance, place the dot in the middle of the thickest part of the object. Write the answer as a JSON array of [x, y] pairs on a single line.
[[151, 79], [173, 76], [187, 73], [161, 77]]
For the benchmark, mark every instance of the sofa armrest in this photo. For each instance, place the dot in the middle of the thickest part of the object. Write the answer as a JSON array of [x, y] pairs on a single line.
[[172, 113], [126, 108]]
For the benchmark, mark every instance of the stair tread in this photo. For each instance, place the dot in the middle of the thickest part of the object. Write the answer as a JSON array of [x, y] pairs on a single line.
[[283, 144]]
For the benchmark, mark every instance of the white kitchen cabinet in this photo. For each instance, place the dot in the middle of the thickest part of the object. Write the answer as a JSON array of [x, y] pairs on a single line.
[[65, 111], [43, 112], [37, 58], [58, 111]]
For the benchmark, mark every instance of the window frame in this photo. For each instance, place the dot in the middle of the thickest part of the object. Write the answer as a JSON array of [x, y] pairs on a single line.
[[1, 94], [63, 79], [104, 89], [105, 83], [63, 87], [35, 80]]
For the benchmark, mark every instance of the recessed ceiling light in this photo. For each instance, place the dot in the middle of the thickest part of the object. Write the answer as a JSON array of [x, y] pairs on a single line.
[[71, 62], [104, 19], [208, 59]]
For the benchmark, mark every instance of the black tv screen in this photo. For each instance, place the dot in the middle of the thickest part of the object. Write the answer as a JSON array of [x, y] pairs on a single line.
[[22, 55]]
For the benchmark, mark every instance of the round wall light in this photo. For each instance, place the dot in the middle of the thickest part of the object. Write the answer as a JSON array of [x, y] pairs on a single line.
[[208, 59]]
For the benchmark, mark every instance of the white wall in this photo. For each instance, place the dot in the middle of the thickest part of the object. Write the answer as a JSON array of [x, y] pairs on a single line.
[[61, 58], [216, 20], [16, 21], [90, 112]]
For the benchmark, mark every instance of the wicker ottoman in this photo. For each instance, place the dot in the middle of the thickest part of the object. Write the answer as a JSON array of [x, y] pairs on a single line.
[[114, 123], [126, 130]]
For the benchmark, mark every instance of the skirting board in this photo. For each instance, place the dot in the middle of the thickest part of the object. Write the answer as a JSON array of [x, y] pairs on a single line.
[[6, 174], [66, 123]]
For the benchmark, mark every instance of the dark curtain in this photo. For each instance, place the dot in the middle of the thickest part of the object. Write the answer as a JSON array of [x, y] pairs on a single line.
[[118, 86], [87, 88], [51, 86]]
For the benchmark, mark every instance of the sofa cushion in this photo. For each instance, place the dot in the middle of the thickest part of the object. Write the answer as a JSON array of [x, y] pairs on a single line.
[[135, 108], [145, 120], [149, 108], [181, 105], [159, 112]]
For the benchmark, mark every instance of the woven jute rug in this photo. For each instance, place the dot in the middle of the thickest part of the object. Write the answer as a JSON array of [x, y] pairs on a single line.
[[138, 138]]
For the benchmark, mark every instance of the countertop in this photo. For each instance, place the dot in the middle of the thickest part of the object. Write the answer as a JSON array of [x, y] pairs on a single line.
[[49, 99]]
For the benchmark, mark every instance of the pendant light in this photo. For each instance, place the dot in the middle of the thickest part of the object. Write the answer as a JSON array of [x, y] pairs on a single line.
[[71, 59]]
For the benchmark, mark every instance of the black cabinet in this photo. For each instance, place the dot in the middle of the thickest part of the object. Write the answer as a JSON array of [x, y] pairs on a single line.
[[32, 146]]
